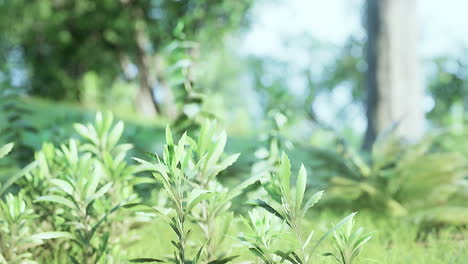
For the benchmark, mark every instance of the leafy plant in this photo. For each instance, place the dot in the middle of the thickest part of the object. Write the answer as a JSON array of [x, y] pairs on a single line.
[[16, 235], [101, 140], [213, 214], [15, 230], [289, 205], [174, 173], [4, 150], [81, 200], [348, 243], [263, 232], [16, 220], [189, 173], [399, 180]]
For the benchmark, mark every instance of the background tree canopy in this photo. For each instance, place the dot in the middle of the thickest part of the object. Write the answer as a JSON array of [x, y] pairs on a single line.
[[56, 43]]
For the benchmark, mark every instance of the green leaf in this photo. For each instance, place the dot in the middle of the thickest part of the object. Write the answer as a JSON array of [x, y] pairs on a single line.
[[198, 255], [82, 130], [93, 181], [224, 164], [267, 207], [56, 199], [311, 202], [145, 260], [300, 186], [285, 174], [195, 197], [169, 139], [53, 235], [328, 254], [306, 243], [139, 207], [17, 176], [145, 165], [64, 185], [151, 156], [286, 256], [344, 220], [115, 134], [223, 260], [73, 260], [6, 149], [257, 252], [100, 193], [218, 149], [239, 188], [102, 247]]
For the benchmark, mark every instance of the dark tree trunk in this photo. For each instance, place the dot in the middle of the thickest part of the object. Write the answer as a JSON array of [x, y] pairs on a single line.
[[372, 27]]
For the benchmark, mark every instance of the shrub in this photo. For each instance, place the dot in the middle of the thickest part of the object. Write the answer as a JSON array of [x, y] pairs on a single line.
[[77, 190], [400, 180], [348, 243], [188, 172], [288, 204]]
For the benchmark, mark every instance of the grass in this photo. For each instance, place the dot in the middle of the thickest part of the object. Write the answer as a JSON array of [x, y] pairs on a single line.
[[393, 242]]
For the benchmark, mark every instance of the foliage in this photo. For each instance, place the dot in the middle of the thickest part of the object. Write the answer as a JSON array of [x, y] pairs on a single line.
[[15, 230], [174, 172], [16, 238], [348, 243], [191, 164], [4, 186], [213, 215], [120, 31], [400, 180], [263, 232], [13, 125], [79, 196], [448, 87], [289, 205], [77, 190]]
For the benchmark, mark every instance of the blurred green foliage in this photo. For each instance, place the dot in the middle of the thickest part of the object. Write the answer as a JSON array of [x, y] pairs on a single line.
[[64, 48]]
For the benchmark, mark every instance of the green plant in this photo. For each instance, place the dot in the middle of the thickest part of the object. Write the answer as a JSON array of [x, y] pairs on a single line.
[[101, 140], [16, 220], [288, 204], [4, 150], [213, 214], [399, 180], [263, 232], [348, 243], [174, 173], [17, 238], [189, 173], [15, 230], [81, 202]]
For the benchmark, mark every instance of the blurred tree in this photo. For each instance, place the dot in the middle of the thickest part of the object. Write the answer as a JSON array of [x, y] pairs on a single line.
[[394, 85], [62, 40], [449, 86]]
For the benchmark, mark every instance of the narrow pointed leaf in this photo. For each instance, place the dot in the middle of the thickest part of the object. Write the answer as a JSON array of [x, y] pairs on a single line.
[[311, 202], [6, 149], [300, 186], [56, 199], [195, 197], [145, 260]]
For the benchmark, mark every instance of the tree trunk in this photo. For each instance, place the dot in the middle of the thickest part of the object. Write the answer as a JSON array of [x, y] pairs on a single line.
[[145, 102], [394, 85], [151, 77]]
